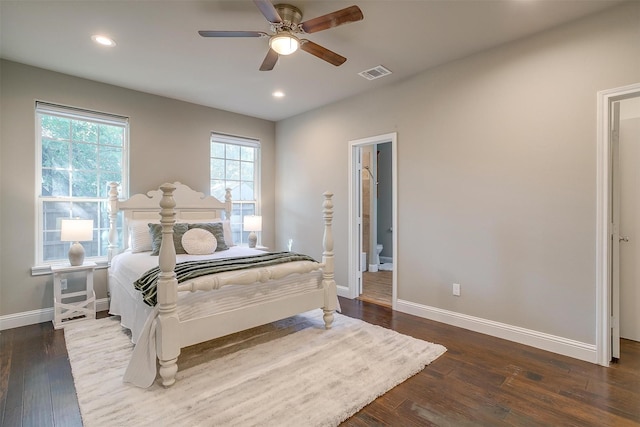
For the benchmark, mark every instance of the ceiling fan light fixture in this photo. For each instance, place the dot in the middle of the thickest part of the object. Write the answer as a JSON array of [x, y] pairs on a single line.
[[284, 43]]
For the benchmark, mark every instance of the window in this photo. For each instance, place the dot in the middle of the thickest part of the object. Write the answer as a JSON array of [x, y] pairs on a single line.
[[235, 164], [79, 153]]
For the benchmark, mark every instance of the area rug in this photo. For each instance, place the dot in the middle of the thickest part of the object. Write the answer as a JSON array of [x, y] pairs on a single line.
[[297, 374]]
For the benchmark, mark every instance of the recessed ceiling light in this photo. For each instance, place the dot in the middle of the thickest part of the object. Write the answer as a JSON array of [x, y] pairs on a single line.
[[278, 94], [103, 40]]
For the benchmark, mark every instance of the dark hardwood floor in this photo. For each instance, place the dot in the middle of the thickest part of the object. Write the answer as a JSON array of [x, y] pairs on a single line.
[[479, 381], [487, 381]]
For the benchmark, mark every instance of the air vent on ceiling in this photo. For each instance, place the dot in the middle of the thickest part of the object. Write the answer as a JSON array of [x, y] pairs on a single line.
[[374, 73]]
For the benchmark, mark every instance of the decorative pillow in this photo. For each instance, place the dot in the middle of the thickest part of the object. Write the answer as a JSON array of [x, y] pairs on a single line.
[[155, 230], [226, 227], [198, 241], [216, 229], [139, 237]]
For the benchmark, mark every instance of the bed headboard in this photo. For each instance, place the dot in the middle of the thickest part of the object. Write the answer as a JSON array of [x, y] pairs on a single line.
[[191, 205]]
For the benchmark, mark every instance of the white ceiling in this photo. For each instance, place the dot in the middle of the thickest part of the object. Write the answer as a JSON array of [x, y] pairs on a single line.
[[159, 50]]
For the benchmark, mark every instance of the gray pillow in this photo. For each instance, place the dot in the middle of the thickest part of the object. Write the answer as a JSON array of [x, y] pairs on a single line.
[[216, 229], [156, 237]]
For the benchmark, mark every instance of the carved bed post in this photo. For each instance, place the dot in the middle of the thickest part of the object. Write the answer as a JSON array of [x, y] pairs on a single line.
[[112, 208], [228, 205], [328, 282], [167, 329]]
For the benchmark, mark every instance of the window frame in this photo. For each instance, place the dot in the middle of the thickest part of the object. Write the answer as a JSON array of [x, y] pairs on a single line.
[[236, 220], [49, 109]]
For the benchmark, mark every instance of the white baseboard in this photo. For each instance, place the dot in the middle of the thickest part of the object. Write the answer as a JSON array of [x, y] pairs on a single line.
[[555, 344], [17, 320], [343, 291]]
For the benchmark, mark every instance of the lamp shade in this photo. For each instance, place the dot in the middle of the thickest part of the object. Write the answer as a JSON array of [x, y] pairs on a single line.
[[284, 43], [253, 223], [76, 230]]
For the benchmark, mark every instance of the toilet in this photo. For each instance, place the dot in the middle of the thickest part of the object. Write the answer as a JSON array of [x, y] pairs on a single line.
[[373, 267]]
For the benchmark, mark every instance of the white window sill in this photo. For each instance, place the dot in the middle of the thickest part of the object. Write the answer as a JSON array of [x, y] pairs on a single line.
[[42, 270]]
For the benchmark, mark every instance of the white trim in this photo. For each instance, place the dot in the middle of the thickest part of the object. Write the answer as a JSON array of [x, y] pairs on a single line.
[[354, 252], [43, 270], [42, 315], [541, 340], [344, 291], [603, 249]]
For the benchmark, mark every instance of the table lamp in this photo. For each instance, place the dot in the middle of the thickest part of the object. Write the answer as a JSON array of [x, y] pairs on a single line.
[[76, 231], [252, 223]]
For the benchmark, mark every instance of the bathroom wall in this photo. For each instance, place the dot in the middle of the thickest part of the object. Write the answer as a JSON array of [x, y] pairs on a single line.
[[385, 197]]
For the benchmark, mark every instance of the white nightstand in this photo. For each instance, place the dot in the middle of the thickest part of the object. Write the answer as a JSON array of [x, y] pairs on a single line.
[[68, 312]]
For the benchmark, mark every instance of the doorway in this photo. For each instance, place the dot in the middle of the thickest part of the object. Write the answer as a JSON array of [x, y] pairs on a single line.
[[373, 219], [628, 141], [618, 287]]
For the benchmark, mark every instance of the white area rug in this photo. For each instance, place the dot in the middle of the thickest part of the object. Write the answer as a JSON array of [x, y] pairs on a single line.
[[310, 377]]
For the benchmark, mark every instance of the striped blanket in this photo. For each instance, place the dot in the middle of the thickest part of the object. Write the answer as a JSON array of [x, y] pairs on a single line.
[[192, 269]]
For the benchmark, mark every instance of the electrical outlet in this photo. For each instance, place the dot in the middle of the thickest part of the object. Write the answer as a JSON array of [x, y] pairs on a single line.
[[63, 284], [456, 289]]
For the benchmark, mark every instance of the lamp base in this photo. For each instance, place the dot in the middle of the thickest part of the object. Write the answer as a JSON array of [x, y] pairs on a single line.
[[76, 254], [253, 239]]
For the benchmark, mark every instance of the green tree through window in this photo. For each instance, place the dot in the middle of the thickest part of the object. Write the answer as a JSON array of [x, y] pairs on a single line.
[[80, 153], [235, 164]]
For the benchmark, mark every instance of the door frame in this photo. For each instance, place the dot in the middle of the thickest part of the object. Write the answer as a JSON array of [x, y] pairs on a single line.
[[354, 203], [603, 218]]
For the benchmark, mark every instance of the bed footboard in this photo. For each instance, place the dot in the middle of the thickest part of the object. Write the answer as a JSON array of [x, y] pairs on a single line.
[[328, 280], [168, 325]]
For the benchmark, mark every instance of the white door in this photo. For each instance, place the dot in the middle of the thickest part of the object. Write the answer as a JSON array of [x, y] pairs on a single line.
[[607, 233], [363, 262], [629, 155], [615, 232]]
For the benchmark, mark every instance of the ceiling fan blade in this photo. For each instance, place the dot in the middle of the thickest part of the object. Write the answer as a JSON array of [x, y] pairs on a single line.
[[330, 20], [268, 11], [233, 34], [269, 60], [322, 52]]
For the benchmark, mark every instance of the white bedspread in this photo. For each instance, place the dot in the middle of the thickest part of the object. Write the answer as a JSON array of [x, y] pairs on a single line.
[[140, 318], [127, 267]]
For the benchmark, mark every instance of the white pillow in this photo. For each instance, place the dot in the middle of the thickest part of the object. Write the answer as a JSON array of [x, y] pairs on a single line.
[[226, 227], [139, 236], [198, 241]]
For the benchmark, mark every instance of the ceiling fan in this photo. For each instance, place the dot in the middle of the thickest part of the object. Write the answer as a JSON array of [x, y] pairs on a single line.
[[286, 26]]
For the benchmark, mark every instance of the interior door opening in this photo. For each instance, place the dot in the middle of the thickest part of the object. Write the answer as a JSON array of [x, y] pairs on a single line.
[[618, 284], [625, 286], [372, 210]]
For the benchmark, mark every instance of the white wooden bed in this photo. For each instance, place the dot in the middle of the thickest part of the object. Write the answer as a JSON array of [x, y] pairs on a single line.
[[172, 331]]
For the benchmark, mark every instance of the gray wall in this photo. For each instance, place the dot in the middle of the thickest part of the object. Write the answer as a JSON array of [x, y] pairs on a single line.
[[496, 171], [169, 141]]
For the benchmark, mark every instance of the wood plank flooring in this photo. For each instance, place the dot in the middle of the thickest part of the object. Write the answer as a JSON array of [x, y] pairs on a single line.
[[482, 380], [377, 287], [479, 381]]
